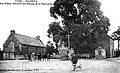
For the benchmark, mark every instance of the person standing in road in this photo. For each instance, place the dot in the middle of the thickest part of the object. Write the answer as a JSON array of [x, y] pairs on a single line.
[[74, 61]]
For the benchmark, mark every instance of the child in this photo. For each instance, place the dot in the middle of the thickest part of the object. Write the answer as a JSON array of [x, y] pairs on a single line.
[[74, 61]]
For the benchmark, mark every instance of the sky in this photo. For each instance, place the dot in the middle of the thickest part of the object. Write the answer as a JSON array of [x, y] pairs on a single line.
[[33, 20]]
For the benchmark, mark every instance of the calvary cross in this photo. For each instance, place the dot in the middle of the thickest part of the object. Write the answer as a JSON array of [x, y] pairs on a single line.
[[68, 40]]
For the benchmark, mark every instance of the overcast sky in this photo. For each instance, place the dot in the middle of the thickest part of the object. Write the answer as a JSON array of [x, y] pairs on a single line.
[[34, 20]]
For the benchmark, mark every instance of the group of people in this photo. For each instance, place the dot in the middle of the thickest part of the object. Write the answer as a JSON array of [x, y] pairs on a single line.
[[46, 57], [39, 57]]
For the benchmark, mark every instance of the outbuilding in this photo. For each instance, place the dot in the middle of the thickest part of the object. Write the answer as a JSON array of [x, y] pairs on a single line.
[[100, 53]]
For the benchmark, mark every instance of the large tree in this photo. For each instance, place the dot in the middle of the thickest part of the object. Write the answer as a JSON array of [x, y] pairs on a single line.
[[54, 32], [82, 19]]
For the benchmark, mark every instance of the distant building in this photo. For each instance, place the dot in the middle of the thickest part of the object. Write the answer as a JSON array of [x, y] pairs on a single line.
[[18, 46], [102, 40], [107, 43], [63, 50]]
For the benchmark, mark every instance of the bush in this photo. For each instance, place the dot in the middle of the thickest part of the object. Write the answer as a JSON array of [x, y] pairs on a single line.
[[84, 55], [55, 56]]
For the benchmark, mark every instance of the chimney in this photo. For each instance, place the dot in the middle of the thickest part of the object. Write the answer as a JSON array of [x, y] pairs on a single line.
[[12, 31], [119, 28], [38, 37]]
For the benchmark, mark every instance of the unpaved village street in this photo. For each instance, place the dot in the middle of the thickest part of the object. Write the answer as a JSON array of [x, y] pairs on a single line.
[[57, 66]]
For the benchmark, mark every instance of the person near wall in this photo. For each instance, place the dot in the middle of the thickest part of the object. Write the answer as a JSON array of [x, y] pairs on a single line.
[[29, 57], [48, 56], [39, 56], [74, 61]]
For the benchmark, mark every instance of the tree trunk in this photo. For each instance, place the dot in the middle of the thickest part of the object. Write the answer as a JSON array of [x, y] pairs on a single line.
[[56, 44]]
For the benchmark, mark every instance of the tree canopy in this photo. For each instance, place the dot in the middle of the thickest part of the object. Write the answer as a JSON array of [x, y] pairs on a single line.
[[50, 48], [55, 30], [82, 19]]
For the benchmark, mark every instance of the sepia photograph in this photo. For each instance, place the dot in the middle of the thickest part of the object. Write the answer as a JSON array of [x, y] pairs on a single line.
[[59, 36]]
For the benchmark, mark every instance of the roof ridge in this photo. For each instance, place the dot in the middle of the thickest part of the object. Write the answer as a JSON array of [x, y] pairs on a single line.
[[25, 36], [23, 39]]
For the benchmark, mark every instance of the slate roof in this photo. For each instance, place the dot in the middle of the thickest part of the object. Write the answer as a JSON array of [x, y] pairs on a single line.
[[28, 40]]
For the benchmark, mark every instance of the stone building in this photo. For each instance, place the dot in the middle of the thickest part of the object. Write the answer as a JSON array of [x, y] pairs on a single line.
[[18, 46], [107, 43], [100, 53], [102, 40]]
